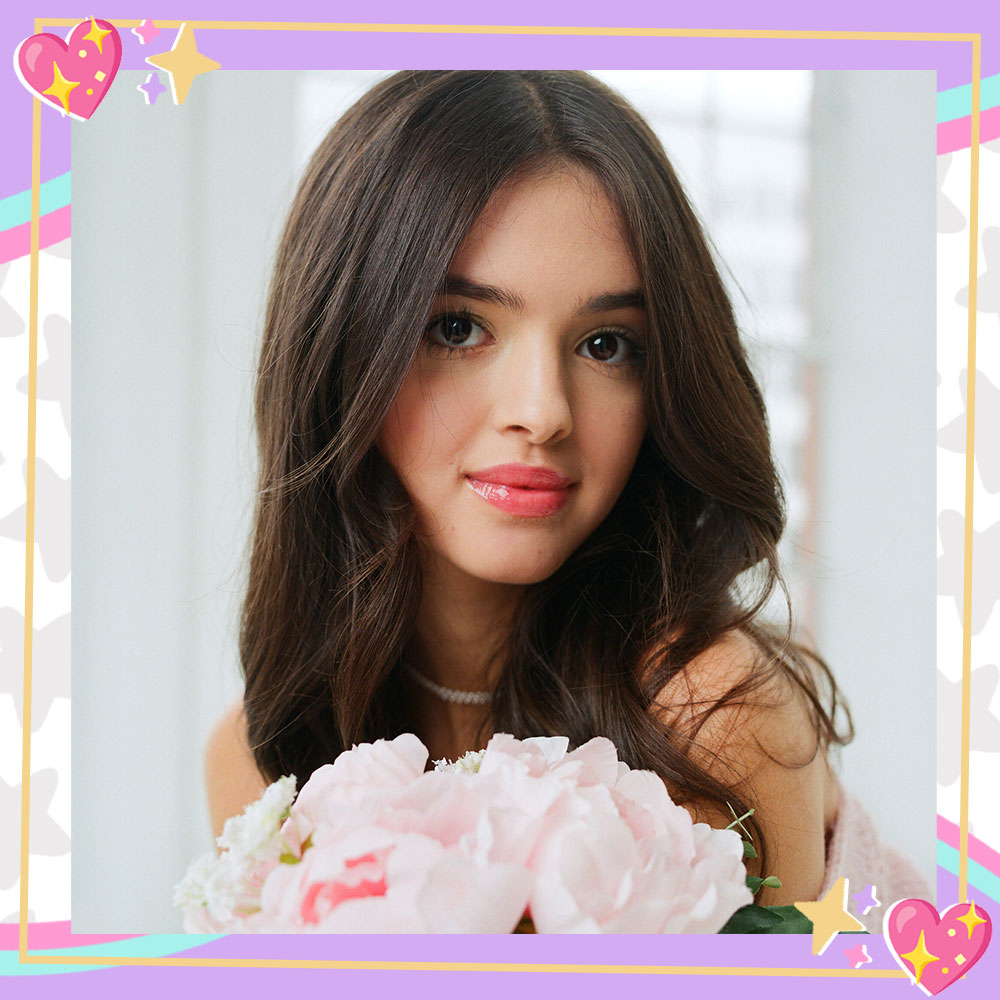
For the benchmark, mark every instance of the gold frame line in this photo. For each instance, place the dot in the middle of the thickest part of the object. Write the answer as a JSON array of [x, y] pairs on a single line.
[[29, 531], [531, 29], [24, 957], [970, 444], [402, 966]]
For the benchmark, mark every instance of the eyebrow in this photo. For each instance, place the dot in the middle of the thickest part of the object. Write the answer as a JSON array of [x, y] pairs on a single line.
[[455, 284]]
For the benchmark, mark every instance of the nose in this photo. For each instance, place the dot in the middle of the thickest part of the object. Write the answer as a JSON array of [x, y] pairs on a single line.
[[532, 395]]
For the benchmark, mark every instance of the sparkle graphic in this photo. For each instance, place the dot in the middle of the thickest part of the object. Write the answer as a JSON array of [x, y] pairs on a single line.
[[970, 919], [60, 87], [857, 956], [829, 916], [919, 958], [145, 31], [97, 35], [152, 88], [182, 63], [865, 900]]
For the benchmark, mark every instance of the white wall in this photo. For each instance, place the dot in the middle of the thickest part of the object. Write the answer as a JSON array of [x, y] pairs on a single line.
[[874, 344], [175, 210]]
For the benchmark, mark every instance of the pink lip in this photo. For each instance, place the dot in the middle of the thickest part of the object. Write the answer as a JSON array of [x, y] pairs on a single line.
[[526, 490]]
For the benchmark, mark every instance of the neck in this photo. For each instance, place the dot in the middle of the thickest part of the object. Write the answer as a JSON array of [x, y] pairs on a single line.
[[461, 627], [459, 633]]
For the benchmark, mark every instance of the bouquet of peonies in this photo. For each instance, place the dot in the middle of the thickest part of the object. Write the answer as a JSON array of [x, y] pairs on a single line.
[[574, 841]]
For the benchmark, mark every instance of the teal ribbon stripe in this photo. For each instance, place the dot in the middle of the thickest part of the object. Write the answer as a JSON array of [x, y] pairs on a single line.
[[149, 946], [16, 210], [957, 102], [978, 875]]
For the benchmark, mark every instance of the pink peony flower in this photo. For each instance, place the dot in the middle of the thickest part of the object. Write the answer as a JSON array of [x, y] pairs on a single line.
[[614, 853], [370, 771], [402, 882], [491, 817], [594, 876], [362, 876], [643, 802], [622, 857], [373, 843], [353, 789]]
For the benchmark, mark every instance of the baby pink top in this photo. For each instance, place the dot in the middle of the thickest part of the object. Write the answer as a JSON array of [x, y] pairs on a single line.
[[854, 849]]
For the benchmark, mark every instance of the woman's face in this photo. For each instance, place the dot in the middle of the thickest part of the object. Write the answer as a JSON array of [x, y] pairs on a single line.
[[519, 423]]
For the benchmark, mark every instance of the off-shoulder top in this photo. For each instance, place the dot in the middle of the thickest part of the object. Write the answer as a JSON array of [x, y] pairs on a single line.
[[854, 849]]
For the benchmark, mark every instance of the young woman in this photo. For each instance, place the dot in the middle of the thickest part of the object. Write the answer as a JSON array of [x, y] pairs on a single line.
[[515, 472]]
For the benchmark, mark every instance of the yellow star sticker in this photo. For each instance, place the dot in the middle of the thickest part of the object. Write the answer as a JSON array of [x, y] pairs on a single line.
[[61, 87], [97, 35], [182, 63], [970, 919], [919, 958], [829, 916]]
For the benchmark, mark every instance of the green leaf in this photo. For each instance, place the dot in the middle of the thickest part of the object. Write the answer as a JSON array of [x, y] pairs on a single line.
[[749, 851], [793, 921], [754, 919], [738, 820], [754, 883]]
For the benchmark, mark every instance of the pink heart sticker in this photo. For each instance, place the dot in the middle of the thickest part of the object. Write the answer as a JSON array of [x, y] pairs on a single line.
[[934, 950], [73, 76]]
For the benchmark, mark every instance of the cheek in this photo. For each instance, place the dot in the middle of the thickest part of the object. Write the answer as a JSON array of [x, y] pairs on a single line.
[[428, 423], [402, 431], [613, 436]]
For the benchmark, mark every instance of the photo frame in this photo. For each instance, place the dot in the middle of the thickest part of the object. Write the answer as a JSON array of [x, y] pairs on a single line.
[[770, 958]]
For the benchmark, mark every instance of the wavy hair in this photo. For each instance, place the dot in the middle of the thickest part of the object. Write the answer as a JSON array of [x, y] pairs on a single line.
[[687, 554]]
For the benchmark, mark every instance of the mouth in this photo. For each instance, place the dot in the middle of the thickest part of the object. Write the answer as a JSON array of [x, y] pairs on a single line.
[[522, 490]]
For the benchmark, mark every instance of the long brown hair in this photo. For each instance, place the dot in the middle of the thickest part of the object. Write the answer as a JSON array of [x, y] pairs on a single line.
[[688, 553]]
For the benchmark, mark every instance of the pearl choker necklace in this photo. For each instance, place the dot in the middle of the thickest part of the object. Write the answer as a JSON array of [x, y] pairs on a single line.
[[450, 694]]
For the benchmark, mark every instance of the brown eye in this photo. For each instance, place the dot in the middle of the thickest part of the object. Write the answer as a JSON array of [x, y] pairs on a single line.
[[612, 348], [455, 330]]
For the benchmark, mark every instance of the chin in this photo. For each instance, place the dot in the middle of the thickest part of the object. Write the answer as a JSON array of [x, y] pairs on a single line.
[[517, 572], [521, 579]]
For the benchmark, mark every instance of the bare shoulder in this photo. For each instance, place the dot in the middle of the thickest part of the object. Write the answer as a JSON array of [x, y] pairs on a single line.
[[764, 745], [232, 780], [769, 715]]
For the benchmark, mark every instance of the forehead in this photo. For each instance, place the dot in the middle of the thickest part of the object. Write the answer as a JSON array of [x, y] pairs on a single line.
[[552, 226]]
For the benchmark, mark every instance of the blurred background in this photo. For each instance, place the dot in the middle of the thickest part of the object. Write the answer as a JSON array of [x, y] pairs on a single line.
[[817, 190]]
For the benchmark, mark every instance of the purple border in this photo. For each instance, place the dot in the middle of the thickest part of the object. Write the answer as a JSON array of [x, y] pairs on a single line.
[[251, 50], [774, 951]]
